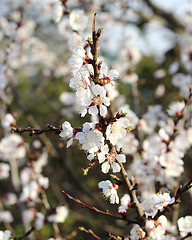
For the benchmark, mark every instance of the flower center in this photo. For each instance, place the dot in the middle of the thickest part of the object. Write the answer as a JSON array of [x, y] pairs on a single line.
[[97, 101], [111, 156]]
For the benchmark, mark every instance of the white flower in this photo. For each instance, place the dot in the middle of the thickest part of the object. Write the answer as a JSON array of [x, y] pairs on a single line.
[[40, 162], [176, 108], [95, 100], [137, 233], [29, 214], [78, 58], [172, 163], [157, 227], [7, 121], [157, 202], [109, 159], [12, 147], [4, 170], [80, 80], [30, 192], [40, 218], [185, 225], [130, 78], [90, 138], [6, 216], [117, 130], [125, 200], [78, 20], [9, 199], [59, 216], [5, 235], [67, 133], [129, 144], [109, 191], [108, 76]]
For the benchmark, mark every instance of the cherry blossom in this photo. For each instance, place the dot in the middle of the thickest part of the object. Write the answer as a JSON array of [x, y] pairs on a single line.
[[157, 202], [176, 108], [67, 132], [5, 235], [12, 147], [59, 216], [108, 160], [137, 233], [91, 139], [185, 225], [7, 121], [125, 200], [78, 20], [6, 216], [109, 191], [78, 58], [117, 130], [93, 98], [80, 80], [4, 170]]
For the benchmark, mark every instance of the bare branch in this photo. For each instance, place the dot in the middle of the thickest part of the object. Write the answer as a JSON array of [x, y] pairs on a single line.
[[90, 232], [97, 210]]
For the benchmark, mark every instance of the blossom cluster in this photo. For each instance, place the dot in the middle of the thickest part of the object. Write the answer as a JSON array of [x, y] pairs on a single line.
[[144, 166]]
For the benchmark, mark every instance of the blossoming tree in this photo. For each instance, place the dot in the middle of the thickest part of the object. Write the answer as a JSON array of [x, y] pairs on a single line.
[[136, 157]]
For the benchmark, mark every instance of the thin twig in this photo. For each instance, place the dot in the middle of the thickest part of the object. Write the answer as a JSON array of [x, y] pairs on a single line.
[[26, 234], [188, 235], [97, 210], [180, 191], [33, 131], [90, 232]]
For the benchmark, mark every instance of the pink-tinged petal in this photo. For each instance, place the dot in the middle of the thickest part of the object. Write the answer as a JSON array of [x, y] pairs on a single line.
[[93, 111], [105, 167], [106, 101], [113, 74], [121, 158], [115, 166], [103, 110]]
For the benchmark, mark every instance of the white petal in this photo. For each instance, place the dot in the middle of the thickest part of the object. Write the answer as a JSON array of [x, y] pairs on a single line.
[[105, 167], [101, 157], [103, 110], [121, 158], [113, 74], [93, 111], [106, 101], [115, 166], [69, 142]]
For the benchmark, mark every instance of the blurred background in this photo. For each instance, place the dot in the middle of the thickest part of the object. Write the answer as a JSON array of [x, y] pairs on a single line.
[[147, 41]]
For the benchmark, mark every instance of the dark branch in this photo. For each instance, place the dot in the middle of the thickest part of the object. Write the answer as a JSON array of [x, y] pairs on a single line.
[[97, 210], [90, 232], [26, 234], [180, 191], [32, 131]]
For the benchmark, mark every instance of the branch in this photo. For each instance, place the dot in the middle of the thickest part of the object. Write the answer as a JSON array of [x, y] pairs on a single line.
[[188, 235], [90, 232], [132, 192], [33, 131], [180, 191], [93, 46], [26, 234], [97, 210]]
